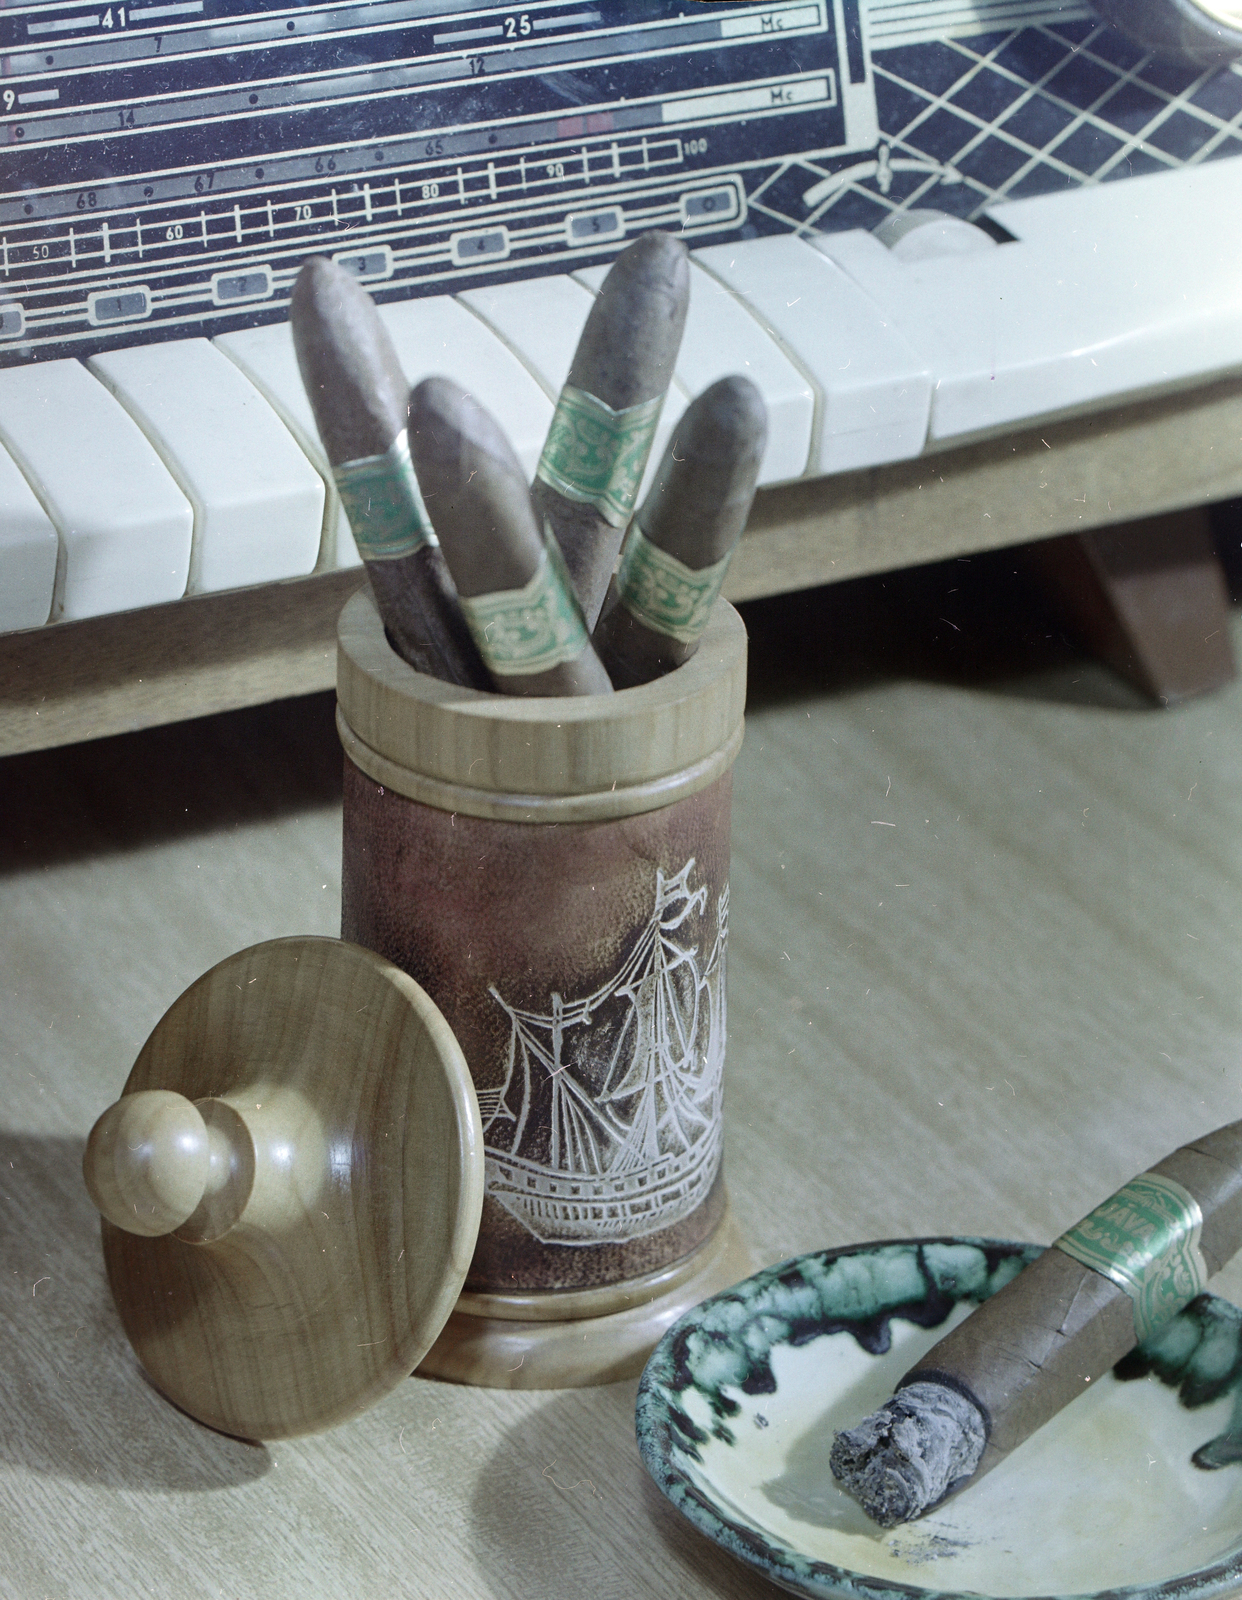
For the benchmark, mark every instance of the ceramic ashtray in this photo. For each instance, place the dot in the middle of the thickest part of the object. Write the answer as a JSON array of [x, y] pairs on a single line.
[[1135, 1489]]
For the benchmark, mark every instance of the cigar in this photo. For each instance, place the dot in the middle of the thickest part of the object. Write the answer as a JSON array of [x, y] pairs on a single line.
[[679, 546], [600, 437], [360, 398], [514, 591], [1060, 1325]]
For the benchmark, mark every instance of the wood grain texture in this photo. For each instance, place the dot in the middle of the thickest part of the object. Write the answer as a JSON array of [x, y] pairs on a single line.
[[475, 802], [501, 1346], [501, 749], [207, 653], [84, 680], [354, 1232], [1002, 1006]]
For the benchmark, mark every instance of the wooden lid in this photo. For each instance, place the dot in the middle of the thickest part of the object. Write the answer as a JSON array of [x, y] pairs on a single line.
[[348, 1236], [556, 759]]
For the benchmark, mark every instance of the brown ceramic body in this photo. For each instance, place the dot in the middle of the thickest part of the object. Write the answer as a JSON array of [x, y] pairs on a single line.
[[578, 956]]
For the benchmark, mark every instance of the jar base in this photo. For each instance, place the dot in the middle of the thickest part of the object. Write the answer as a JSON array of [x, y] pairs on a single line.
[[575, 1339]]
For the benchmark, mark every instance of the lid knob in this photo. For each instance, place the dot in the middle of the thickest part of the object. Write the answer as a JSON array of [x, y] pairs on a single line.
[[147, 1162], [157, 1163]]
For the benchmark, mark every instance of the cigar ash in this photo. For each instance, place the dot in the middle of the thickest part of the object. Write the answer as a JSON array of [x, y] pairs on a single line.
[[739, 1407]]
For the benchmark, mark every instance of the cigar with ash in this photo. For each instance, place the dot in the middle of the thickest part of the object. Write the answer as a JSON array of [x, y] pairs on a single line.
[[1103, 1287], [679, 546], [511, 580], [596, 451], [360, 399]]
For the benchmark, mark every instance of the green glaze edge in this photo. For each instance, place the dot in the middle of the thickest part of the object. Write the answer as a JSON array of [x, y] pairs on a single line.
[[726, 1343]]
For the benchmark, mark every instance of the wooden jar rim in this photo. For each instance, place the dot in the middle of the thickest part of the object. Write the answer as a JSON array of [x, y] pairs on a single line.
[[556, 759]]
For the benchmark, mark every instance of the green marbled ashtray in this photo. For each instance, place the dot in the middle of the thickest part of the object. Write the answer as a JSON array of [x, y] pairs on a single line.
[[1134, 1490]]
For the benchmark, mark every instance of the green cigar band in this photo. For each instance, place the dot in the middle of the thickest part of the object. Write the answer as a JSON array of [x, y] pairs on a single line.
[[1146, 1239], [532, 629], [596, 455], [382, 501], [663, 593]]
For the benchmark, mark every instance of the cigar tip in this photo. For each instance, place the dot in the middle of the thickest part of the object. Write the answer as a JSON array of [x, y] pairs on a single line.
[[439, 403], [350, 369], [657, 244], [445, 420], [432, 397], [651, 258], [438, 395], [317, 286], [736, 407], [315, 268]]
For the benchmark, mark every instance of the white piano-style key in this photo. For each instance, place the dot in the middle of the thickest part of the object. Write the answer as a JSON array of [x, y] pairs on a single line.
[[28, 546], [541, 320], [435, 335], [1104, 292], [722, 338], [267, 357], [125, 528], [873, 390], [258, 502], [1138, 280]]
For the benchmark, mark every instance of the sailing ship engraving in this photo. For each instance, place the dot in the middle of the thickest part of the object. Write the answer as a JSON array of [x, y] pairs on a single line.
[[607, 1125]]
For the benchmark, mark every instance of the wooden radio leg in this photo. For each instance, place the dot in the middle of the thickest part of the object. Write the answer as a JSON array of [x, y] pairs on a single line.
[[1149, 598]]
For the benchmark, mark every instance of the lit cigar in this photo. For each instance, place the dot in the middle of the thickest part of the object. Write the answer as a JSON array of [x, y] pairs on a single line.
[[680, 544], [1104, 1286], [359, 396], [597, 446], [511, 581]]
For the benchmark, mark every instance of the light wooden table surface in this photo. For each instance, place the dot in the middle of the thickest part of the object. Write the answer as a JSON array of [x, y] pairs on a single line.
[[984, 966]]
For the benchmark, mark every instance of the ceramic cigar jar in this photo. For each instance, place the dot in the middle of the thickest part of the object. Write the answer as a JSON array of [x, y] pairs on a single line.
[[554, 872]]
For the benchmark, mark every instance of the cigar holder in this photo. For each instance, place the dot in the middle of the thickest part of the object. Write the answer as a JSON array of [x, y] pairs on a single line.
[[428, 1144]]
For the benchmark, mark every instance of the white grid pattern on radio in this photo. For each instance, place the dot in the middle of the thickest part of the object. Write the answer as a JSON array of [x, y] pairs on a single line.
[[906, 144]]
